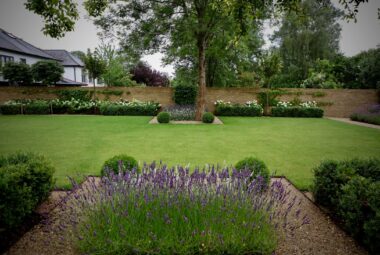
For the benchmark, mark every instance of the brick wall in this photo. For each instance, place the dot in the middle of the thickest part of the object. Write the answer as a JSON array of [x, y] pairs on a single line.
[[335, 102]]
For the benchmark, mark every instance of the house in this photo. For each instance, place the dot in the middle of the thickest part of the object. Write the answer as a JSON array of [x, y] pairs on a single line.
[[13, 48], [73, 66]]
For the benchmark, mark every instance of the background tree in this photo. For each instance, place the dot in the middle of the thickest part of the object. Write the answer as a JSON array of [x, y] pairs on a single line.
[[142, 73], [117, 74], [270, 65], [303, 39], [95, 66], [17, 72], [48, 72]]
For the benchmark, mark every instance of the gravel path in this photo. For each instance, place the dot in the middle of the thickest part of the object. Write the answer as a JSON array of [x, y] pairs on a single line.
[[349, 121], [319, 237]]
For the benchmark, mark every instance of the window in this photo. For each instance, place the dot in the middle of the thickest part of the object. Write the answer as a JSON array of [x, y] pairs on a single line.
[[4, 59], [23, 60]]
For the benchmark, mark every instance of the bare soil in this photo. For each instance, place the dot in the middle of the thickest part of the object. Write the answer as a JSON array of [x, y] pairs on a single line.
[[320, 237]]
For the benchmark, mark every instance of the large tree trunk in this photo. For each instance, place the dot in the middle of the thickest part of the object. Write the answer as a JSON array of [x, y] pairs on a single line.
[[201, 99]]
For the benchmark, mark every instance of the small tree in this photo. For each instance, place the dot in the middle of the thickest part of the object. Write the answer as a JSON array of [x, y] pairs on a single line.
[[17, 72], [95, 65], [116, 74], [270, 66], [47, 71], [143, 73]]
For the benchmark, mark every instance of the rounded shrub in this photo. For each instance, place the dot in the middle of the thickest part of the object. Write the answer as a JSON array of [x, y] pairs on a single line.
[[163, 117], [208, 117], [256, 166], [119, 163], [26, 179]]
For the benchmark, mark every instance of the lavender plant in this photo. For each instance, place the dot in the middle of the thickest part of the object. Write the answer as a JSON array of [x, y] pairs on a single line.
[[173, 211], [181, 112]]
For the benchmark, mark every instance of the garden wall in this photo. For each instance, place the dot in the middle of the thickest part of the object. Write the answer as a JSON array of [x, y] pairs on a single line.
[[335, 102]]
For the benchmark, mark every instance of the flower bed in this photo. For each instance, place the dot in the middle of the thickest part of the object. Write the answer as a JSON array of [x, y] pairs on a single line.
[[369, 115], [181, 112], [250, 108], [304, 110], [78, 106], [163, 211]]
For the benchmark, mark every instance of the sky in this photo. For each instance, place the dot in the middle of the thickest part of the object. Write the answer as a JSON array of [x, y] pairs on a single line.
[[14, 18]]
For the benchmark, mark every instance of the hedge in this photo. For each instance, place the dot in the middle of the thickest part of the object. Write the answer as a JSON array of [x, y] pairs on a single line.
[[351, 191], [238, 110], [301, 112], [185, 94], [37, 107], [10, 109], [26, 179]]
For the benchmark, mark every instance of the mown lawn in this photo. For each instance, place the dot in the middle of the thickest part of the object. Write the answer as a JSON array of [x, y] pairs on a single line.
[[78, 145]]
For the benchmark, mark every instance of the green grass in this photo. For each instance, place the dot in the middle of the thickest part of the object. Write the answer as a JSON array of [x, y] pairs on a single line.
[[79, 145]]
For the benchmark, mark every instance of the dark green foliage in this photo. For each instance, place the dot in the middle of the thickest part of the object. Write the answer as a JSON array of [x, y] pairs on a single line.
[[47, 72], [255, 165], [118, 163], [329, 176], [37, 107], [185, 94], [237, 110], [17, 72], [300, 112], [359, 208], [163, 117], [68, 94], [351, 190], [111, 92], [270, 96], [134, 110], [9, 109], [208, 117], [366, 118], [25, 180]]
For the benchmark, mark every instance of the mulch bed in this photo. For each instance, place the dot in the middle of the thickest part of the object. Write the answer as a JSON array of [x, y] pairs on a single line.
[[319, 237], [217, 121]]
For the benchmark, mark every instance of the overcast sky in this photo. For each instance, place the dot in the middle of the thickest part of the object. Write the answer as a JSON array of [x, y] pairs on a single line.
[[14, 18]]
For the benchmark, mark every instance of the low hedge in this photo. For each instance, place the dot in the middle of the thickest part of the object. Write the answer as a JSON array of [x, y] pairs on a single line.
[[26, 179], [135, 110], [371, 119], [37, 107], [301, 112], [10, 109], [351, 191], [238, 110]]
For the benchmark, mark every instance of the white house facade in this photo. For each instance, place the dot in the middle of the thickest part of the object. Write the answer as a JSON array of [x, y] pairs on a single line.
[[15, 49]]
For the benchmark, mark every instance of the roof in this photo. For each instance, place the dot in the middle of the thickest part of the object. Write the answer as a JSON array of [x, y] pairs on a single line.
[[12, 43], [66, 57], [65, 81]]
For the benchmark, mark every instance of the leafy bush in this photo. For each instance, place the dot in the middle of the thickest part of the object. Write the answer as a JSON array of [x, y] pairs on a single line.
[[69, 94], [120, 163], [10, 108], [185, 94], [143, 73], [208, 117], [25, 180], [17, 72], [351, 190], [48, 72], [134, 108], [255, 166], [297, 111], [37, 107], [162, 212], [181, 112], [163, 117], [366, 118], [74, 106], [250, 108]]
